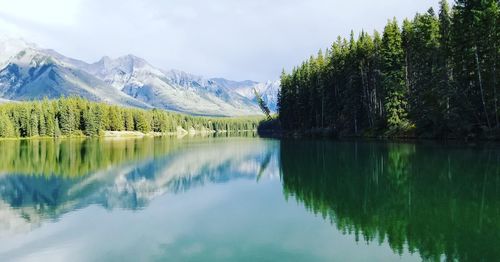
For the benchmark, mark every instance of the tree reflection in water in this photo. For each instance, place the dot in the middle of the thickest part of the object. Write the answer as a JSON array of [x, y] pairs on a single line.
[[434, 200]]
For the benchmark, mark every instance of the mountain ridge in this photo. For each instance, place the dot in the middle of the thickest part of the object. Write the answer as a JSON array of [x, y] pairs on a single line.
[[28, 72]]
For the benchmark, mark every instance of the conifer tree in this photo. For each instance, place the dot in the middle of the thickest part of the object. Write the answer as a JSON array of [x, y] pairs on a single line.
[[396, 91], [6, 126], [90, 123]]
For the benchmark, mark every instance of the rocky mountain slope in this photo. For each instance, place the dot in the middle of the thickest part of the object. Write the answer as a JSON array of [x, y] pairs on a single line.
[[28, 72]]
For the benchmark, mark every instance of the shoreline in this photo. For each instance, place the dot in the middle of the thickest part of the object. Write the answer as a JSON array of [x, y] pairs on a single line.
[[328, 134], [129, 134]]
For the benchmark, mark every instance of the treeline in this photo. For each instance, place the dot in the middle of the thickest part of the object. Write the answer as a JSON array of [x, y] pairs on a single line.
[[434, 76], [78, 117]]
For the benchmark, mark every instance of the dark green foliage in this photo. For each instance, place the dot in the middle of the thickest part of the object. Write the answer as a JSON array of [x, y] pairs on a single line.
[[76, 117], [66, 117], [89, 120], [393, 78], [435, 77], [474, 49]]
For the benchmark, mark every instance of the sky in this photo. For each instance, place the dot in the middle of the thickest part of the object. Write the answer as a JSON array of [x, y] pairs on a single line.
[[235, 39]]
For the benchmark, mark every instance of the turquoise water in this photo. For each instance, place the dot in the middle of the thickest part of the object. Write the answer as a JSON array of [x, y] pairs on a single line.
[[247, 199]]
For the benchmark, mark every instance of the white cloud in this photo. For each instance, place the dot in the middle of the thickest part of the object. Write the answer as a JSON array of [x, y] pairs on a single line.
[[237, 39], [46, 12]]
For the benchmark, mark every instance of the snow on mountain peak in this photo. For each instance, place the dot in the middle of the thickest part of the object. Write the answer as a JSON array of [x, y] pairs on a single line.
[[126, 64], [268, 91], [131, 80], [10, 47]]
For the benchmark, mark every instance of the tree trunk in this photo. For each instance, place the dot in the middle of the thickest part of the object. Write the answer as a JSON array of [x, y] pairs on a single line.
[[323, 111], [366, 95], [355, 123], [495, 89], [495, 86], [481, 88]]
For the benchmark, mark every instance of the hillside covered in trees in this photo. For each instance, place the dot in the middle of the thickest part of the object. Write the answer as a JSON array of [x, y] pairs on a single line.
[[76, 117], [433, 76]]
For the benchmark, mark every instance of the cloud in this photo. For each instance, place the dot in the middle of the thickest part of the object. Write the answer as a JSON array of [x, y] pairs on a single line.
[[236, 39], [47, 12]]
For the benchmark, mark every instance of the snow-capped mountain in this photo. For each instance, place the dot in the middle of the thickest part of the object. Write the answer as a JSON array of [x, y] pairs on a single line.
[[33, 74], [268, 91], [10, 47], [28, 72]]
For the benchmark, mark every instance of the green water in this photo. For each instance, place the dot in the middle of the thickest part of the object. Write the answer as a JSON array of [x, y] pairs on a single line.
[[247, 199]]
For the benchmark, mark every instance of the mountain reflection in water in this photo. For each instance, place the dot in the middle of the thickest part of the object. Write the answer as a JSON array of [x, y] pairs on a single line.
[[436, 201], [44, 179]]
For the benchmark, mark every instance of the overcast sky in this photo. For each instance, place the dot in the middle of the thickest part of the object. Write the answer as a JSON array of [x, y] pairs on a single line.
[[236, 39]]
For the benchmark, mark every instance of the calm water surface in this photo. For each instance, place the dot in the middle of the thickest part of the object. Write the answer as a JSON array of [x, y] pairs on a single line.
[[247, 199]]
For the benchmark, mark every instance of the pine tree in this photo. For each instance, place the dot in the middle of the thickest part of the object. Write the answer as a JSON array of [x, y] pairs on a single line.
[[6, 126], [33, 125], [141, 122], [90, 123], [445, 70], [42, 128], [49, 118], [393, 78], [473, 45], [115, 119], [422, 49], [66, 117]]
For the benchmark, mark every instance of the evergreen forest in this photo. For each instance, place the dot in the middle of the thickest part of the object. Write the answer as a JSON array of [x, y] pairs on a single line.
[[434, 76], [75, 116]]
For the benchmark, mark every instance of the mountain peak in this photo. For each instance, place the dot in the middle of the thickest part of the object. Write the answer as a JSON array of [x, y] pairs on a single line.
[[125, 64], [9, 47], [134, 61], [104, 59], [31, 57], [126, 80]]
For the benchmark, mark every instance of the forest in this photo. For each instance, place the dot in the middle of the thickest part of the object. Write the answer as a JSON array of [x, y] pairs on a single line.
[[75, 116], [434, 76]]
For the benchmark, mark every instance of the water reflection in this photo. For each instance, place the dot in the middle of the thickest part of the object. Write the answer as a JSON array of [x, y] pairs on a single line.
[[438, 202], [442, 202], [44, 179]]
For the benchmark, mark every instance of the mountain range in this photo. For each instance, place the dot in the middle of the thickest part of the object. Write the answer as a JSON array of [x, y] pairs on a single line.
[[28, 72]]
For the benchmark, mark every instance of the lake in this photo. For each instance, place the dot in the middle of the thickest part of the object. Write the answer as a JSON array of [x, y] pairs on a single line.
[[247, 199]]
